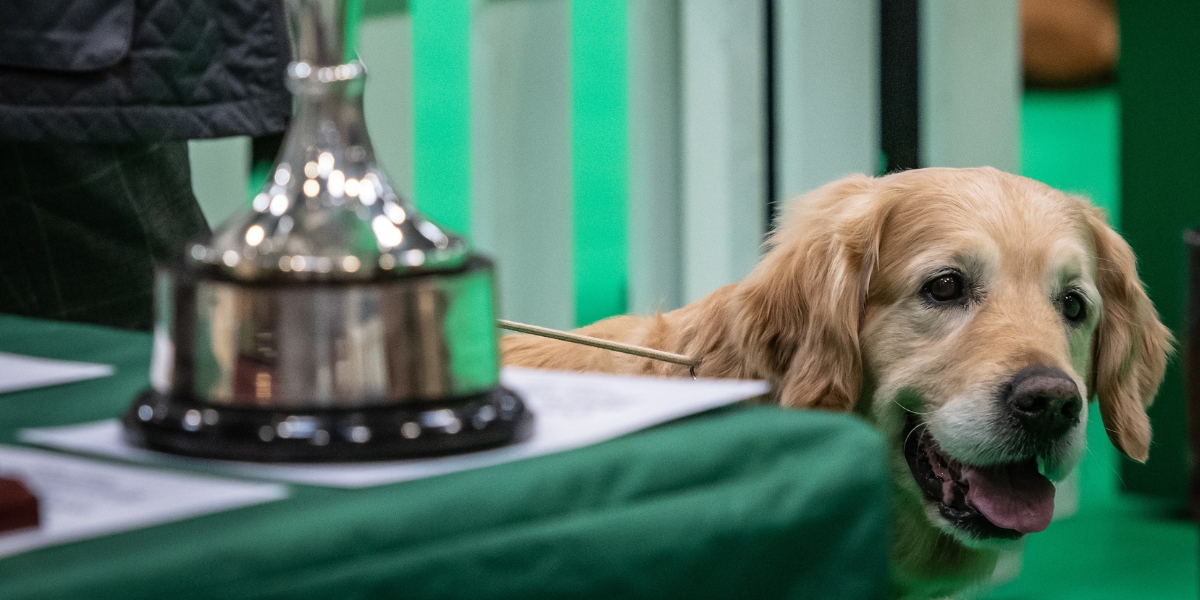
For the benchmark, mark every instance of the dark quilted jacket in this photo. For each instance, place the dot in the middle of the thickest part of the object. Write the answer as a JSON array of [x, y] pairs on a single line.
[[141, 70]]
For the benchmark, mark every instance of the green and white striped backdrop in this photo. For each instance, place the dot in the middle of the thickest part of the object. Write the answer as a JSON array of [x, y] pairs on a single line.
[[612, 155]]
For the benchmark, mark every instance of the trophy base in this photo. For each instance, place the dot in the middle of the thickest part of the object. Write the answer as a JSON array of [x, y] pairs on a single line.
[[185, 426]]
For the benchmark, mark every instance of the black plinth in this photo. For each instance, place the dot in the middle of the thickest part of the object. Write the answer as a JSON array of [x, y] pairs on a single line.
[[181, 425]]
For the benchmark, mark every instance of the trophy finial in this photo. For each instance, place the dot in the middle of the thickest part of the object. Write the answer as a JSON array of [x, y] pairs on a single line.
[[323, 32]]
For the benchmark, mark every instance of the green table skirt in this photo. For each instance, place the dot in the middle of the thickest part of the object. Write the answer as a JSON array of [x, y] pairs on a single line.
[[754, 502]]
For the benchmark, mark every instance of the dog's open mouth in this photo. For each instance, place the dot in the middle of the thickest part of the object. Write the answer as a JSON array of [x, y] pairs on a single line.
[[995, 501]]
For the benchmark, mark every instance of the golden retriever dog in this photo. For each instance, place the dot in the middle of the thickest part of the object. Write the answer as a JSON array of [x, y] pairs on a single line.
[[969, 314]]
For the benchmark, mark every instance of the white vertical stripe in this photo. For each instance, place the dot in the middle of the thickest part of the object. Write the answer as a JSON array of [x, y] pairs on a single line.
[[220, 175], [827, 92], [970, 83], [385, 46], [521, 155], [654, 144], [724, 154]]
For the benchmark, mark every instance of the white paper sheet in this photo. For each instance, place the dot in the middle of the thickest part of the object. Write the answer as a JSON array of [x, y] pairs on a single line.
[[19, 372], [572, 410], [82, 498]]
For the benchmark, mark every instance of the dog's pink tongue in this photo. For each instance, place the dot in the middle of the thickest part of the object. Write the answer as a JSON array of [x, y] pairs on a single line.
[[1012, 496]]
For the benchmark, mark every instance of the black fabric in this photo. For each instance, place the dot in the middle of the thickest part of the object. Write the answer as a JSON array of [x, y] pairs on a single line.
[[119, 71], [65, 35], [81, 224]]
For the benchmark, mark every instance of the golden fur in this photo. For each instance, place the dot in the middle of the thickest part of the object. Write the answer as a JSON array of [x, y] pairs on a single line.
[[832, 318]]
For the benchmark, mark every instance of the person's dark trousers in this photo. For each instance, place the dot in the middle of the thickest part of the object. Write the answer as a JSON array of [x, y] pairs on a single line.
[[81, 226]]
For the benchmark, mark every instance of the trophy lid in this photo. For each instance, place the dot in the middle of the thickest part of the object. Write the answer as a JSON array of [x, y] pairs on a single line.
[[327, 211]]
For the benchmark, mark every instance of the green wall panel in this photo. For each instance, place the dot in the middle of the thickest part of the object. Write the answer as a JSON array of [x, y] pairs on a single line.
[[598, 144], [1160, 105], [1071, 141], [442, 110]]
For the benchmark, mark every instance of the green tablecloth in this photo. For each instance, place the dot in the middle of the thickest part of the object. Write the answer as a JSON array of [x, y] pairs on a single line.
[[756, 502]]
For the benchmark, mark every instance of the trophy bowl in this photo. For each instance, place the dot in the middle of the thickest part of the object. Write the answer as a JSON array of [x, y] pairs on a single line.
[[330, 320]]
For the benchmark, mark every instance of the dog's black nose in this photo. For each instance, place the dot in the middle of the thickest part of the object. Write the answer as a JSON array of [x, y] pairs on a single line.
[[1045, 400]]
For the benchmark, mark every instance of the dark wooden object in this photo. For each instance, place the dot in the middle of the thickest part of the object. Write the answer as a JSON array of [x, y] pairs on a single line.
[[18, 506]]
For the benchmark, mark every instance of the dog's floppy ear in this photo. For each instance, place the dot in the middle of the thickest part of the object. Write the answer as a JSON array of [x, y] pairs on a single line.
[[798, 313], [1130, 346]]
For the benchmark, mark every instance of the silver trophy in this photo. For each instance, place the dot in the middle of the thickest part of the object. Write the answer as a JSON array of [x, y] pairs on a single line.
[[330, 321]]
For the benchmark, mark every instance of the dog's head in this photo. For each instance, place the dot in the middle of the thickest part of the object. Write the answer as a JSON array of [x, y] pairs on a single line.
[[969, 313]]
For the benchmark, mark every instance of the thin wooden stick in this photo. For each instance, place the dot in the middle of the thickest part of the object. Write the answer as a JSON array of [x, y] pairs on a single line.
[[588, 340]]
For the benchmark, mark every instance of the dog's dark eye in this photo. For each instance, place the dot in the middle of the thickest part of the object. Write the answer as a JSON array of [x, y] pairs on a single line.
[[1073, 307], [946, 288]]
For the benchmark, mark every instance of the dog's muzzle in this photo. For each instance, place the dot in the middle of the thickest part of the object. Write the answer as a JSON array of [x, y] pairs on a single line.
[[1002, 501]]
